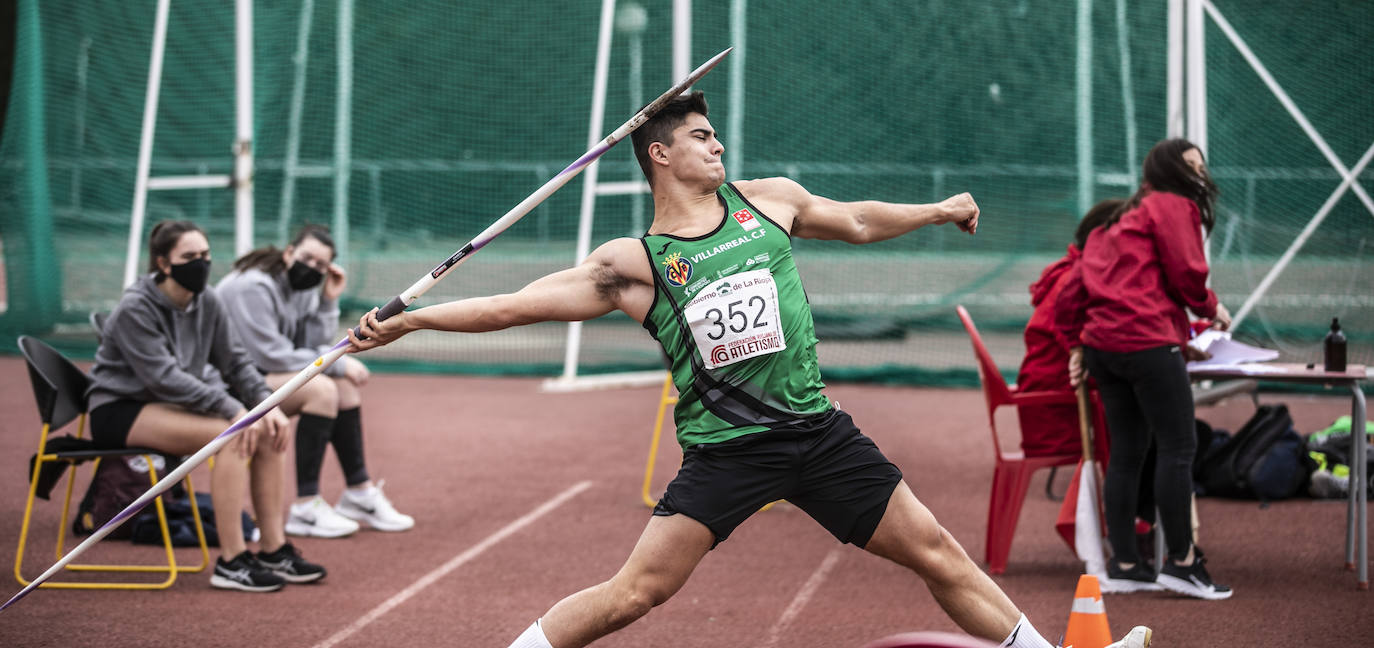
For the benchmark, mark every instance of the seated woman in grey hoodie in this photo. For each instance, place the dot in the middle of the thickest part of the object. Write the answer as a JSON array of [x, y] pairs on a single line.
[[150, 388], [284, 308]]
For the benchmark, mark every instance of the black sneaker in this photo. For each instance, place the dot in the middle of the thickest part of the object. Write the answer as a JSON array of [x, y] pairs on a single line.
[[1192, 580], [1139, 578], [245, 573], [287, 563]]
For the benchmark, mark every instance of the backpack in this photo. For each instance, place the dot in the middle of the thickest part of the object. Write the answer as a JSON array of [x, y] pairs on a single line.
[[117, 482], [1265, 460], [181, 524]]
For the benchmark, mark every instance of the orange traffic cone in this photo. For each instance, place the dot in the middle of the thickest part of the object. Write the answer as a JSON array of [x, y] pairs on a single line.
[[1088, 618]]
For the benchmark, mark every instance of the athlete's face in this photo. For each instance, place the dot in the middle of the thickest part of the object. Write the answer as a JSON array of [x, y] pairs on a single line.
[[696, 153]]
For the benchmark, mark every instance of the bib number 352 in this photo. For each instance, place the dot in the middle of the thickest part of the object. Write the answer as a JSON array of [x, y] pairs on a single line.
[[736, 318]]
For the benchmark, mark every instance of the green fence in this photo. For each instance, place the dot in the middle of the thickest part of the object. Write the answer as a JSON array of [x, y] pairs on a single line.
[[460, 110]]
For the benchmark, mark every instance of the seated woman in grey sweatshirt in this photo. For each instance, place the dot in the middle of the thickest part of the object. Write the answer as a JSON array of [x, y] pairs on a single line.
[[149, 388], [284, 308]]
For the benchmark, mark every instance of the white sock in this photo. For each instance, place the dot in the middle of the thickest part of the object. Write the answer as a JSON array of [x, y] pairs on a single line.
[[1024, 635], [533, 637]]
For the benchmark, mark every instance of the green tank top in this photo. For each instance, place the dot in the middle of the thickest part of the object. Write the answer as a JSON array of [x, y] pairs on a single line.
[[731, 314]]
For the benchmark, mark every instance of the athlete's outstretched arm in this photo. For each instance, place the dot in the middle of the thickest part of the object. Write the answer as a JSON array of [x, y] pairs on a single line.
[[591, 289], [864, 221]]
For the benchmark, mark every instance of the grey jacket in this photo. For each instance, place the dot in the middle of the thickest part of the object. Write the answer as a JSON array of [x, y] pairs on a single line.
[[152, 351], [283, 330]]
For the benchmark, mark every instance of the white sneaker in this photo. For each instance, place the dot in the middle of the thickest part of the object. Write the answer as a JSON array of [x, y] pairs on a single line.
[[1138, 637], [373, 508], [315, 518]]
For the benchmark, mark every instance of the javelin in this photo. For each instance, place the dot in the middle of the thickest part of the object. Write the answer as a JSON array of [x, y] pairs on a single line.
[[396, 305]]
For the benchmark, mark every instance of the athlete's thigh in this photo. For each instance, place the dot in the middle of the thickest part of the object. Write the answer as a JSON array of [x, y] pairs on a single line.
[[174, 430], [907, 530], [665, 555]]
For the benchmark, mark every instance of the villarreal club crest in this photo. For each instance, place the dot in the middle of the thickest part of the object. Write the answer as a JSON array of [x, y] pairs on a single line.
[[677, 270]]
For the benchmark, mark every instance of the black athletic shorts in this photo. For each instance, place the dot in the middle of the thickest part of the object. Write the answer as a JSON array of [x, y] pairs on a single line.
[[825, 467], [110, 423]]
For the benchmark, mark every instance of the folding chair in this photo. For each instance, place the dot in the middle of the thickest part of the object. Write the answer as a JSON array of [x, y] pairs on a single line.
[[59, 387], [664, 400], [1012, 469]]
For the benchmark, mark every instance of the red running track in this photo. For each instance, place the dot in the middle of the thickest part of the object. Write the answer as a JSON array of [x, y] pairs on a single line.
[[479, 460]]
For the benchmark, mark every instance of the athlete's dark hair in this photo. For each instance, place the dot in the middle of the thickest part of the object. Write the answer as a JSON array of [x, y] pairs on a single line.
[[1095, 217], [268, 259], [1166, 170], [163, 238], [659, 128]]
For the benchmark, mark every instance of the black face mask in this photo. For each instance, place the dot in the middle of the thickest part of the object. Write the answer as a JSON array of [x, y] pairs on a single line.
[[191, 275], [303, 277]]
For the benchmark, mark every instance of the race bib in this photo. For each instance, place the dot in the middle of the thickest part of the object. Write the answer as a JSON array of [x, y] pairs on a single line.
[[736, 318]]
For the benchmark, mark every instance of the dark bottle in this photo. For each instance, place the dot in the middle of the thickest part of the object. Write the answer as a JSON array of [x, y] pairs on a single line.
[[1335, 347]]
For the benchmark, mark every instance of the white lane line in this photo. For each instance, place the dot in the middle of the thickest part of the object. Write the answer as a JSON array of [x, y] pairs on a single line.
[[454, 563], [803, 597]]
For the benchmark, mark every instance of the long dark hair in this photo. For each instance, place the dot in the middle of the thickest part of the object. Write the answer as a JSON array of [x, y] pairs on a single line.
[[268, 259], [1165, 170], [163, 238], [1095, 217]]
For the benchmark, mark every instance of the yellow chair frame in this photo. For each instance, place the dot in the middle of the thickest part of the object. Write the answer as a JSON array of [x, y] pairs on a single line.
[[55, 415]]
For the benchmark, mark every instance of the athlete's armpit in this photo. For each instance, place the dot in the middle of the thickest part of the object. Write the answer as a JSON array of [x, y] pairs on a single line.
[[609, 283]]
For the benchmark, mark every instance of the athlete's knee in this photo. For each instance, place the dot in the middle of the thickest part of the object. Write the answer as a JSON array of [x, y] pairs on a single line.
[[632, 600], [350, 396], [321, 397]]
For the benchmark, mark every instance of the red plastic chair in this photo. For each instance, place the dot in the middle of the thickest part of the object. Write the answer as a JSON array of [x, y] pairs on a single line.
[[1011, 476]]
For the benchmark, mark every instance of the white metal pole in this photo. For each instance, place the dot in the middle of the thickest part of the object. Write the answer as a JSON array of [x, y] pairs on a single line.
[[292, 160], [343, 130], [1123, 45], [1196, 76], [734, 127], [145, 143], [589, 177], [243, 138], [83, 66], [682, 38], [632, 19], [1196, 94], [1084, 116], [1174, 122]]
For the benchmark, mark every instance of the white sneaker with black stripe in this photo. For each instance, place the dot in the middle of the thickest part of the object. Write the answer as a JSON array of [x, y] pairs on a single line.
[[246, 574], [315, 518], [372, 508]]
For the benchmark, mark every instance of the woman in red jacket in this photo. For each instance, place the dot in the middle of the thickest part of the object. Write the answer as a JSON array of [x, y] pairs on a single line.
[[1125, 304], [1053, 429]]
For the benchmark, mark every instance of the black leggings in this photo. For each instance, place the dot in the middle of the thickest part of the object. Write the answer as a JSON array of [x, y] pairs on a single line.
[[1147, 397]]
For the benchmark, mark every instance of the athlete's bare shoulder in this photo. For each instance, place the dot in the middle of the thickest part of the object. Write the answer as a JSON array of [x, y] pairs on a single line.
[[780, 198], [620, 269]]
